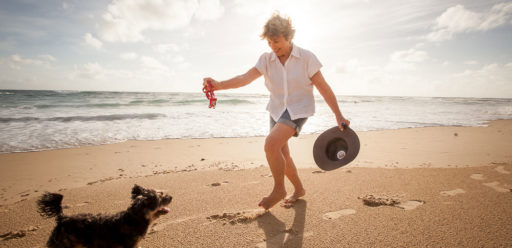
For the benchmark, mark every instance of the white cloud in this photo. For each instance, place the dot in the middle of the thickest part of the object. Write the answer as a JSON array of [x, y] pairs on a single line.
[[15, 61], [126, 20], [209, 10], [492, 80], [458, 19], [405, 60], [16, 58], [89, 71], [129, 55], [178, 59], [47, 57], [409, 56], [166, 48], [153, 64], [399, 62], [396, 76], [150, 75], [90, 40], [252, 8]]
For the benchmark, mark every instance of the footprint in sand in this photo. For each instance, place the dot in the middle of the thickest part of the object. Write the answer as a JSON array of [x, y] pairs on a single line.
[[18, 234], [452, 192], [501, 169], [338, 214], [243, 217], [376, 201], [410, 205], [496, 186], [477, 176]]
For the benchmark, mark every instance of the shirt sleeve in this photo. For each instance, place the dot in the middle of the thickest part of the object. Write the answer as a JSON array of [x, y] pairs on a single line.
[[314, 65], [261, 65]]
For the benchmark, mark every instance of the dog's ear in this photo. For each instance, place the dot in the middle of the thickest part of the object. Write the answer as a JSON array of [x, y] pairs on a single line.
[[136, 191]]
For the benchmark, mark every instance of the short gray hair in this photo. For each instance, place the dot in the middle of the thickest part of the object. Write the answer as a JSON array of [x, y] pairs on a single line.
[[278, 25]]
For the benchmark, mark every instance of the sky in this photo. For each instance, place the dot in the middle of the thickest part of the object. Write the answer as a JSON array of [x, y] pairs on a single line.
[[435, 48]]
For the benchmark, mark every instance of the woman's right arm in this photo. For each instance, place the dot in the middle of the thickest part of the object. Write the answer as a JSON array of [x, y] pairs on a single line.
[[236, 82]]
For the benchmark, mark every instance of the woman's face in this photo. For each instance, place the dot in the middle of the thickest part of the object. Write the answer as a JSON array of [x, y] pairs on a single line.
[[280, 45]]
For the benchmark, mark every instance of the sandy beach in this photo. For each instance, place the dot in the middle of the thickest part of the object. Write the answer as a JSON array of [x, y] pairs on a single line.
[[416, 187]]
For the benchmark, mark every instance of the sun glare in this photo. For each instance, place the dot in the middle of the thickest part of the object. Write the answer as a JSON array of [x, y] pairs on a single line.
[[303, 22]]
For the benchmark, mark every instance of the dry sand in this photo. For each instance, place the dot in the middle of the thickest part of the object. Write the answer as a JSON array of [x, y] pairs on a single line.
[[441, 186]]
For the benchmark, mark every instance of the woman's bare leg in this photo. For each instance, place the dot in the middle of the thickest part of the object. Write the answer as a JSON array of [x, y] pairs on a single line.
[[278, 137], [292, 175]]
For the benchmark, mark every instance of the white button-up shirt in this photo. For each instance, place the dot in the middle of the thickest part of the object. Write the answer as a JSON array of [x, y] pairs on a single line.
[[290, 85]]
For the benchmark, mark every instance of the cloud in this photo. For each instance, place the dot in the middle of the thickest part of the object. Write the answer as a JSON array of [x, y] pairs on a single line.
[[15, 61], [153, 64], [209, 10], [405, 60], [90, 40], [396, 76], [47, 57], [89, 71], [16, 58], [129, 56], [126, 20], [492, 80], [167, 48], [399, 62], [148, 75], [409, 56], [458, 19]]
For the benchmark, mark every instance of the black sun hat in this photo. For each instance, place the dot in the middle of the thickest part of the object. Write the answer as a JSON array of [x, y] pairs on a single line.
[[334, 148]]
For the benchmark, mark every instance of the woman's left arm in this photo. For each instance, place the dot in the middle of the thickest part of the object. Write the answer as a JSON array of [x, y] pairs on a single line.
[[329, 97]]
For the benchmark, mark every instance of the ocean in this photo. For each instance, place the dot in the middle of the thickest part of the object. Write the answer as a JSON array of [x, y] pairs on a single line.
[[44, 120]]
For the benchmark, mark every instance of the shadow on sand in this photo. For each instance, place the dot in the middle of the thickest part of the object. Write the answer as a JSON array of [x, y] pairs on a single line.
[[276, 234]]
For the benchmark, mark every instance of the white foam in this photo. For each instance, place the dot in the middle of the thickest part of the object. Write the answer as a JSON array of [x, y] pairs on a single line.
[[52, 119]]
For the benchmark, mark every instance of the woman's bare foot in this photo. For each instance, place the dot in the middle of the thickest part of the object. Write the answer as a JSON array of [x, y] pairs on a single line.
[[272, 199], [296, 195]]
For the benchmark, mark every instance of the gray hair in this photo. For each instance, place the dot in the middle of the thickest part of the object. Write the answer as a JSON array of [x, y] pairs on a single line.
[[278, 25]]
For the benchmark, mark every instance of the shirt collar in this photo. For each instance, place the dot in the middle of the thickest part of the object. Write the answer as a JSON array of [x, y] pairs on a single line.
[[295, 52]]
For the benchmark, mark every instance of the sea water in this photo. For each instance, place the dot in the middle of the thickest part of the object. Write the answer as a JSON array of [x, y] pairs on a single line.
[[43, 120]]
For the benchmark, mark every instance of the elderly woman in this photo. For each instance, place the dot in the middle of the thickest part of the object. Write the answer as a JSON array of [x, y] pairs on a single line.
[[290, 73]]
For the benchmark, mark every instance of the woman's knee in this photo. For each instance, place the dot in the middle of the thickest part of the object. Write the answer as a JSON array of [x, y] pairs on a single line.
[[271, 145], [286, 152]]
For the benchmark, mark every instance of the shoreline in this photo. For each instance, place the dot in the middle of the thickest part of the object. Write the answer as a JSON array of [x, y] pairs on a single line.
[[428, 147], [485, 123]]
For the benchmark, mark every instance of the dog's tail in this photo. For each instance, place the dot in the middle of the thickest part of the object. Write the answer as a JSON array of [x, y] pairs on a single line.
[[50, 205]]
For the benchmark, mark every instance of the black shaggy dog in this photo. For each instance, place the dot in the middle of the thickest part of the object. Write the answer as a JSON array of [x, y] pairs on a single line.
[[124, 229]]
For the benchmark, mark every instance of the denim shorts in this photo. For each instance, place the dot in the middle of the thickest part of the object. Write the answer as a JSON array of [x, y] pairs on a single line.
[[287, 120]]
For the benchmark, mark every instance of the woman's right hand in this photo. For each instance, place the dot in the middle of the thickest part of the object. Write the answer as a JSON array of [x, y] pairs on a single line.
[[212, 81]]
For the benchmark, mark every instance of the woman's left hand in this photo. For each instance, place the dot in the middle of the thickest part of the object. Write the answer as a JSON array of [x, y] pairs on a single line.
[[341, 120]]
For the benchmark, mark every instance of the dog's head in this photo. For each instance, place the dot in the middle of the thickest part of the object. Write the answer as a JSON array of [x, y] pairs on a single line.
[[149, 202]]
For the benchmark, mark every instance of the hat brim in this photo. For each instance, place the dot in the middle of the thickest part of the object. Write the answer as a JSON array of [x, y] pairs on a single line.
[[332, 141]]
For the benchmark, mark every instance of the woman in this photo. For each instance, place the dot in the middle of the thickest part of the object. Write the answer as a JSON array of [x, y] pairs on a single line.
[[290, 73]]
